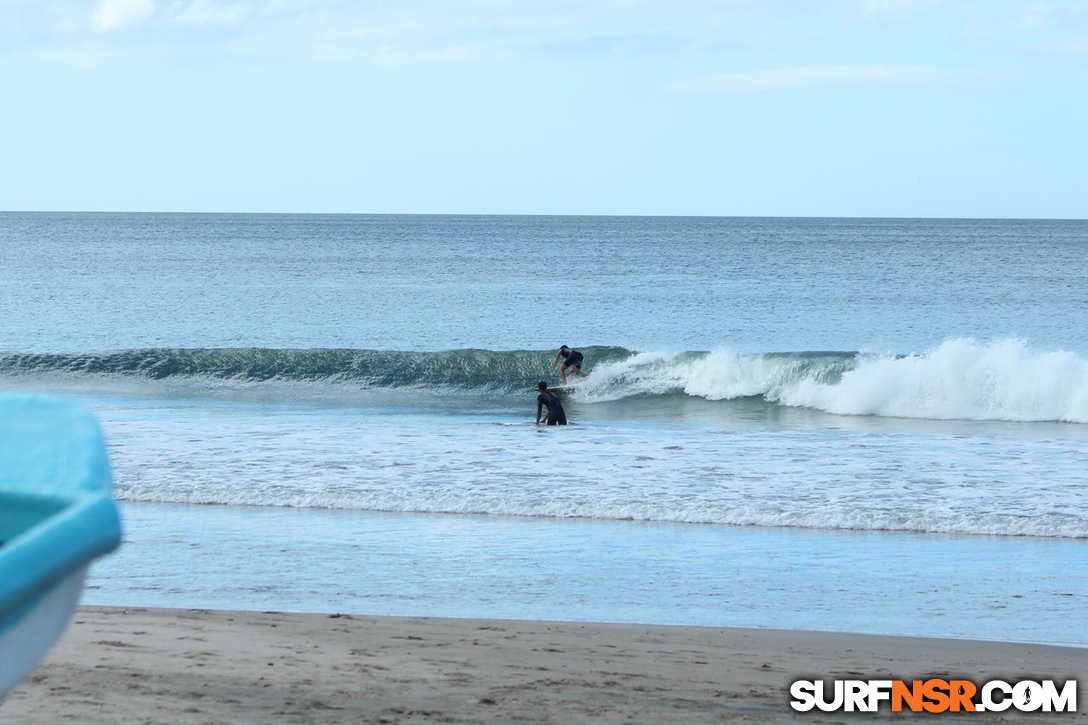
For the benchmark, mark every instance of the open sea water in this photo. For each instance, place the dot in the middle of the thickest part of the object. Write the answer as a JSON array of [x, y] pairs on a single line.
[[873, 425]]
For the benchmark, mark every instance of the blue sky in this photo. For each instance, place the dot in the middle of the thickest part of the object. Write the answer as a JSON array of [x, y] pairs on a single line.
[[919, 108]]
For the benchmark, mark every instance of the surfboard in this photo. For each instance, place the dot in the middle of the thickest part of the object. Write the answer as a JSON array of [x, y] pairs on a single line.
[[568, 386]]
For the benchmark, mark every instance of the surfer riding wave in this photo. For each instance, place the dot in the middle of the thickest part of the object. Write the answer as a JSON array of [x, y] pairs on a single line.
[[572, 360]]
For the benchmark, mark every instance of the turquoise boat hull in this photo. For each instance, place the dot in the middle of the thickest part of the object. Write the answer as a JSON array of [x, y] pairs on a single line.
[[57, 515]]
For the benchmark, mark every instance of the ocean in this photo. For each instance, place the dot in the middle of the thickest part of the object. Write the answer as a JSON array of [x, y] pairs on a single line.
[[875, 425]]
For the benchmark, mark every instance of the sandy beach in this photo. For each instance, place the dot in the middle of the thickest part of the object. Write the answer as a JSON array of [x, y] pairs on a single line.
[[117, 665]]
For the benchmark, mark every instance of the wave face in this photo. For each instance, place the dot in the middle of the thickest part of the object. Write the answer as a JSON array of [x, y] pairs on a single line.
[[959, 380], [457, 370]]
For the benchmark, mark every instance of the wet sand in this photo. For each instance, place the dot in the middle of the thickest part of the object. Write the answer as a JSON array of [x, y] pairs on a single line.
[[120, 666]]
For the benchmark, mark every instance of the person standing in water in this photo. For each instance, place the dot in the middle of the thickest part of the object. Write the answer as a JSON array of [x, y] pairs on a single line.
[[544, 399], [572, 359]]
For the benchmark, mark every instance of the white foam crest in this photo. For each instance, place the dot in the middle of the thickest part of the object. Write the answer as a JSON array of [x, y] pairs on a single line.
[[647, 373], [849, 517], [961, 379], [719, 375], [724, 375]]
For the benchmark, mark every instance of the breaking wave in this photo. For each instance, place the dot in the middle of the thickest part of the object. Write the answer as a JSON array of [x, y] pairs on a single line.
[[959, 380]]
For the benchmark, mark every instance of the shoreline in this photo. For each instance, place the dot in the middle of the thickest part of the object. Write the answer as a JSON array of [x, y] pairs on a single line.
[[139, 665], [507, 567]]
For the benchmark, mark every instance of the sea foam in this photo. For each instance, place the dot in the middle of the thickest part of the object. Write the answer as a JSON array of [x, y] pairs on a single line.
[[961, 379]]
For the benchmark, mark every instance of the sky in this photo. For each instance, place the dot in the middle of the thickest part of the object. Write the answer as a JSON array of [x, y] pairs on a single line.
[[864, 108]]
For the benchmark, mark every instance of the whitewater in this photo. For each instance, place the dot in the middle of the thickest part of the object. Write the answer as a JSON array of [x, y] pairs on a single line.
[[335, 412]]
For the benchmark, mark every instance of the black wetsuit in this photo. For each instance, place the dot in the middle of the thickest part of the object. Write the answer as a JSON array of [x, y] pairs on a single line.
[[556, 416], [572, 358]]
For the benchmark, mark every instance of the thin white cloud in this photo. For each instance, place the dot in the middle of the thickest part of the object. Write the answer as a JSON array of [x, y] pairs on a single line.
[[398, 32], [1073, 45], [392, 56], [114, 14], [208, 12], [1048, 15], [1034, 18], [410, 29], [815, 77], [879, 8]]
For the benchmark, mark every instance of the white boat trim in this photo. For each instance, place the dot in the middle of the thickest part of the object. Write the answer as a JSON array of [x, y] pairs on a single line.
[[27, 641]]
